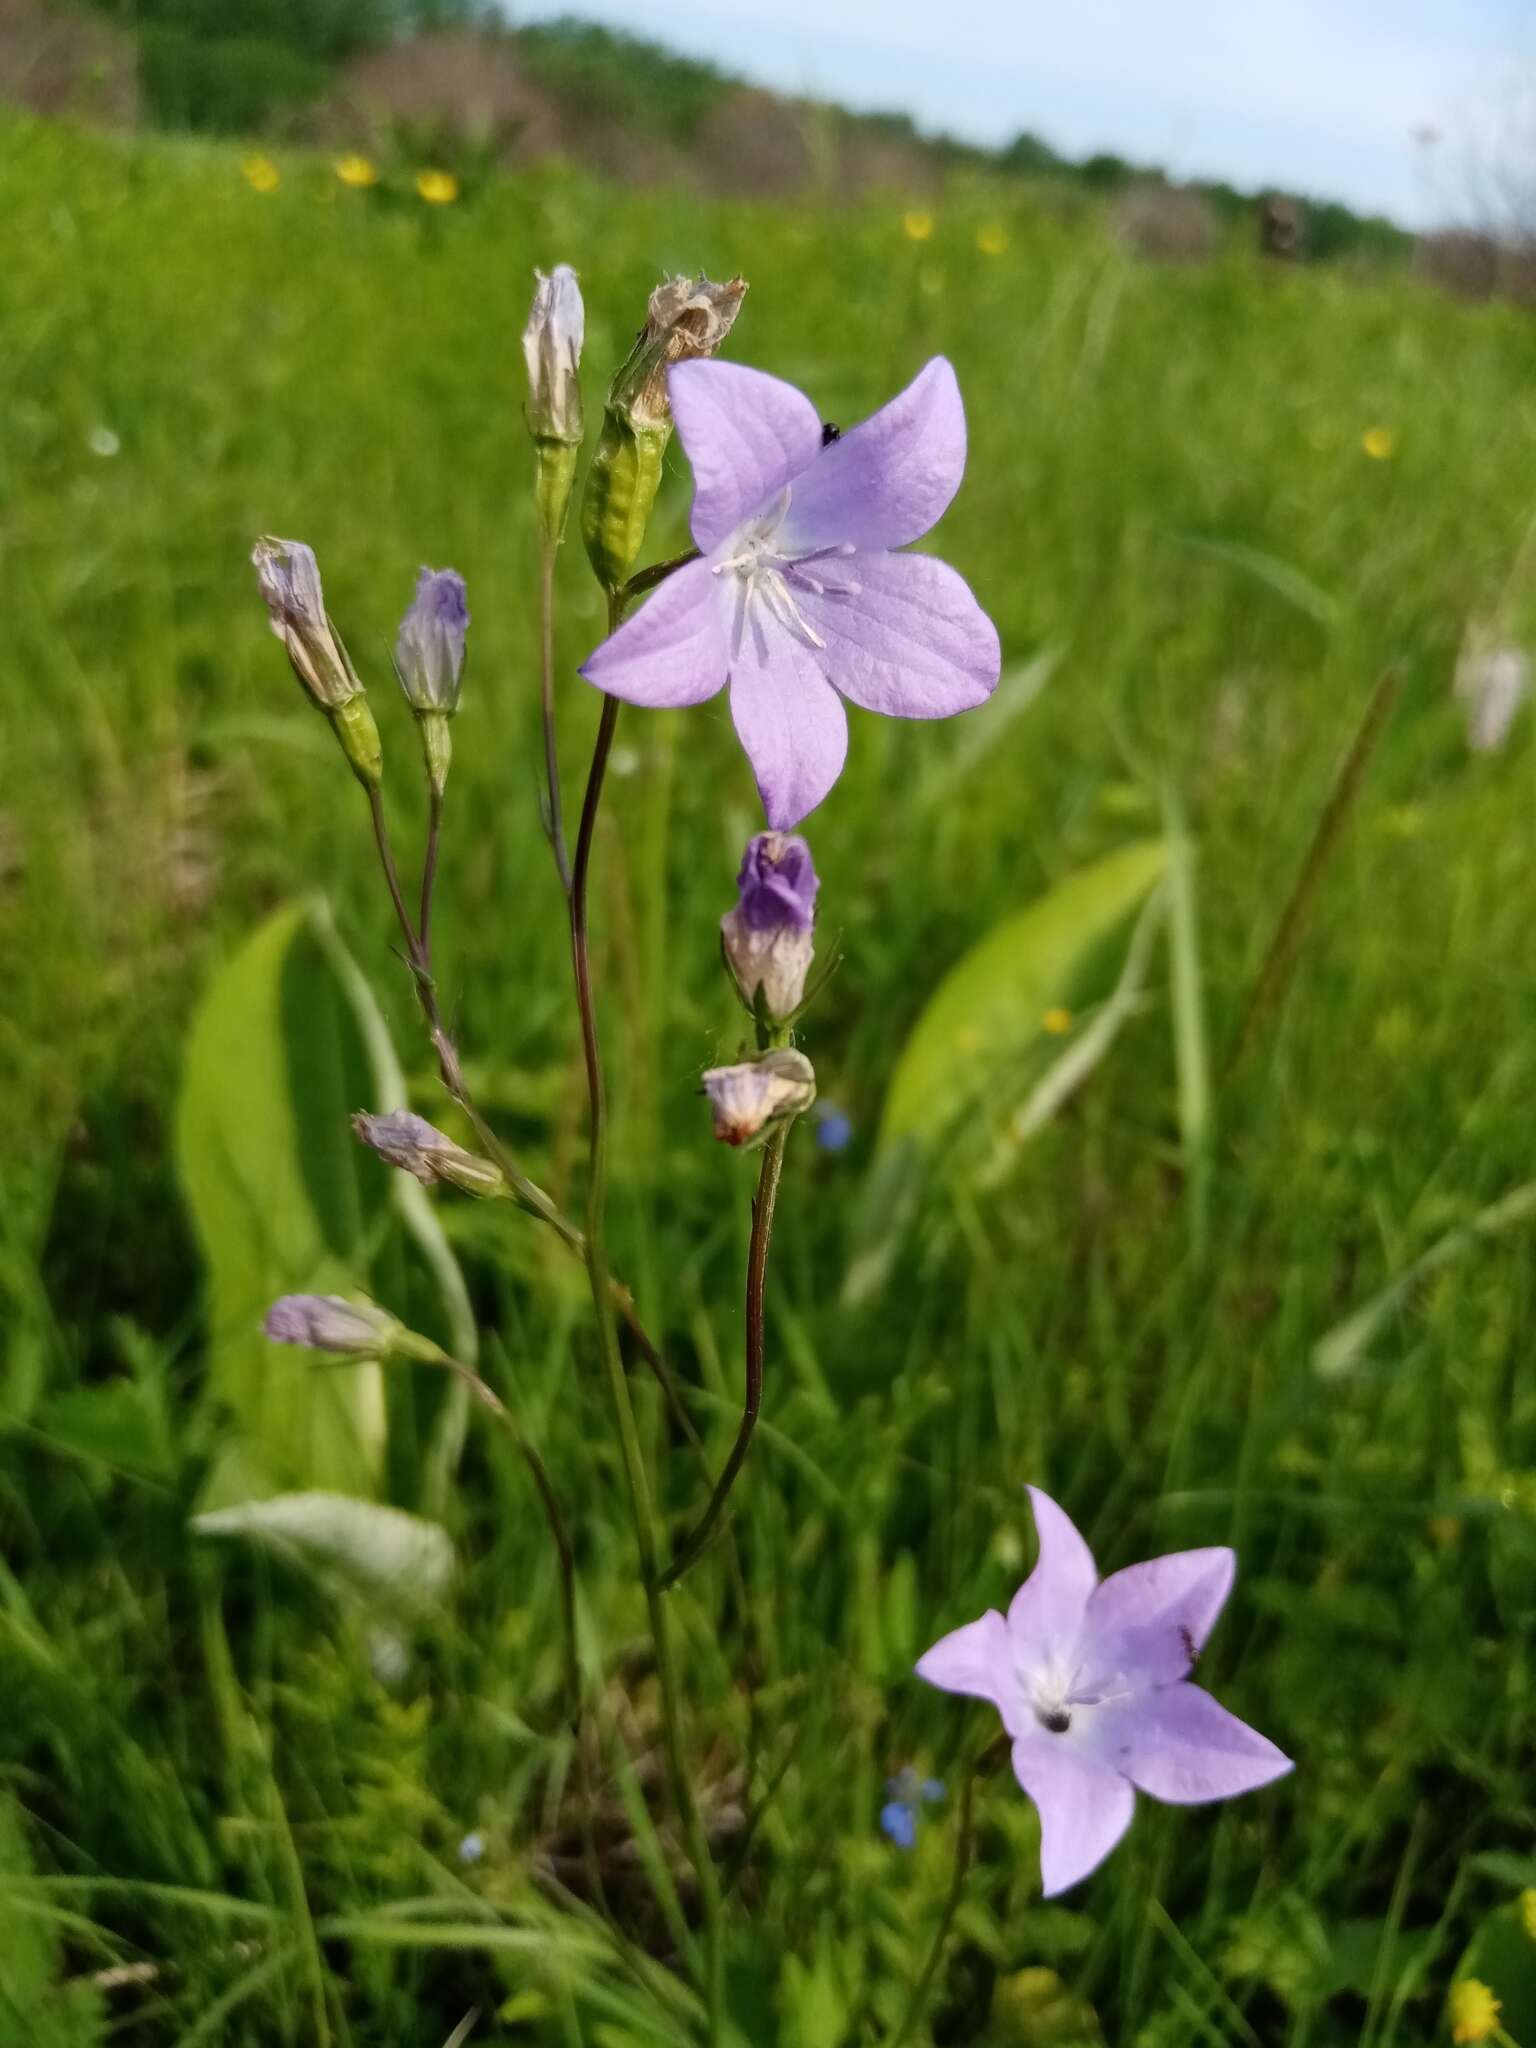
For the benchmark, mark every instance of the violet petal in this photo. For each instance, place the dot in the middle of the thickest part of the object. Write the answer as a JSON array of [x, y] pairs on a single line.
[[1084, 1807], [1150, 1621], [886, 482], [1047, 1611], [975, 1660], [1181, 1746], [791, 722], [745, 434], [673, 651], [913, 643]]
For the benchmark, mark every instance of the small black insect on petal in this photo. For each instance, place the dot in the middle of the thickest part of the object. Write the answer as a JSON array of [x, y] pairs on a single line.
[[829, 433], [1055, 1720], [1191, 1647]]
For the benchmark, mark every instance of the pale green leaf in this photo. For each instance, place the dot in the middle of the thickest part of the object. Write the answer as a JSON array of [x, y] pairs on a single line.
[[270, 1170], [383, 1557]]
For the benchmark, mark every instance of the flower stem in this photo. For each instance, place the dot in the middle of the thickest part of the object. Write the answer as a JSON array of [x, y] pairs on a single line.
[[636, 1482], [554, 823], [429, 874], [757, 1268], [965, 1836], [527, 1193], [492, 1402]]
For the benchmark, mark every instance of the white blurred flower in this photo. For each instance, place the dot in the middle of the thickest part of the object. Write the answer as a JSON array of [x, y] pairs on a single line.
[[102, 441], [1491, 684]]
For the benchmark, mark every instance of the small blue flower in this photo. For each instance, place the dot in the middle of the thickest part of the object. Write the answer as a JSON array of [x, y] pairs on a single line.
[[471, 1849], [899, 1822], [908, 1796], [834, 1129]]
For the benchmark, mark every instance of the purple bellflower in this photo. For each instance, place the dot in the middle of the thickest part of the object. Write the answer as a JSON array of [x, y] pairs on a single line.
[[800, 599], [768, 936], [1091, 1678], [429, 650]]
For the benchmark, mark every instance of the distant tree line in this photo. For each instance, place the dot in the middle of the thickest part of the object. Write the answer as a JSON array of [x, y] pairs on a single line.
[[235, 65]]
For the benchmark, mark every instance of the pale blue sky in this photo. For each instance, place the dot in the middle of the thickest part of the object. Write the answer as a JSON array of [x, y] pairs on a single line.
[[1317, 95]]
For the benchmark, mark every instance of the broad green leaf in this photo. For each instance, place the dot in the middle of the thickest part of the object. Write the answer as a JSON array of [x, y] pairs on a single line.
[[988, 1009], [270, 1171], [388, 1560], [971, 1049]]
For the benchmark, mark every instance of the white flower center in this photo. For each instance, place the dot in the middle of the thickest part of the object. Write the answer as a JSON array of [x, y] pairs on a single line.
[[771, 579], [1057, 1691]]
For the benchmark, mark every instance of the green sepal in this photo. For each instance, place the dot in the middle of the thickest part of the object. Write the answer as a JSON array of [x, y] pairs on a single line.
[[353, 725]]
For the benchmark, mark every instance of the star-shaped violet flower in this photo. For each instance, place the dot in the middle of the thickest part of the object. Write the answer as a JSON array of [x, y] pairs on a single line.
[[1091, 1678], [799, 599]]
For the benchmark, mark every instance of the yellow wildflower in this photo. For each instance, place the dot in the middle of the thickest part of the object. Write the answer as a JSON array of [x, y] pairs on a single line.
[[1380, 443], [992, 238], [1057, 1021], [1528, 1911], [1474, 2011], [438, 188], [917, 225], [357, 171], [261, 174]]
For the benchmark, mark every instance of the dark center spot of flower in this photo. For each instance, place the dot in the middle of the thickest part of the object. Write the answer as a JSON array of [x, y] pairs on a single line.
[[1055, 1720], [829, 433]]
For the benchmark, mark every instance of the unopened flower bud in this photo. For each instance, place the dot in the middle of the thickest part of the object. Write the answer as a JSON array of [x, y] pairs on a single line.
[[552, 351], [329, 1322], [417, 1147], [289, 577], [769, 938], [686, 318], [749, 1100], [429, 660]]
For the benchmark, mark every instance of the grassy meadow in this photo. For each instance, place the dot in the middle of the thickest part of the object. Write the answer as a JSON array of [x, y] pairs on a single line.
[[1268, 1287]]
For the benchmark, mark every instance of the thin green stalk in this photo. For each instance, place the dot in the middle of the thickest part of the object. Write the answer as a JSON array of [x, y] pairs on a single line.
[[1284, 948], [554, 821], [965, 1836], [429, 874], [526, 1191], [637, 1486], [538, 1471], [757, 1269]]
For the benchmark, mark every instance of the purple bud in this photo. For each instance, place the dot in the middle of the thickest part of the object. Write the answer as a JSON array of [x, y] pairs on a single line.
[[429, 652], [778, 883], [289, 577], [749, 1099], [329, 1322], [768, 936], [417, 1147]]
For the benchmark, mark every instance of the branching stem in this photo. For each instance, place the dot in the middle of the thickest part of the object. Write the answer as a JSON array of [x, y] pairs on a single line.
[[757, 1269], [636, 1481]]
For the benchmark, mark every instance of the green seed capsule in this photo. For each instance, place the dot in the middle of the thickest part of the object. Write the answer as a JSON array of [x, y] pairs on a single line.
[[622, 483]]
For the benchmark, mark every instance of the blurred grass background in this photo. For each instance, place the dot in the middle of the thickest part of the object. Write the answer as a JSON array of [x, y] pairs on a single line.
[[1208, 506]]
